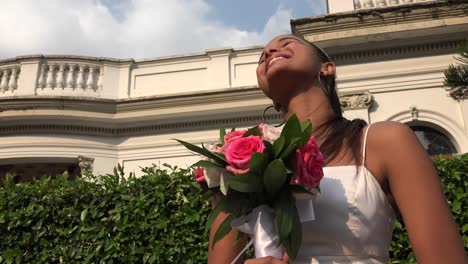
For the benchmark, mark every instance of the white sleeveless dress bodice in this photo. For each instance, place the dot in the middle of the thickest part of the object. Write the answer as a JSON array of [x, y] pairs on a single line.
[[354, 220]]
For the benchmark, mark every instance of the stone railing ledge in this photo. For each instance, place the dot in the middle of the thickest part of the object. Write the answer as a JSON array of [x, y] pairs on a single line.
[[219, 51], [186, 56], [65, 57]]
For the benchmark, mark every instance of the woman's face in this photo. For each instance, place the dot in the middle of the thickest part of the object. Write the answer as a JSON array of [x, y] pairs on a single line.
[[286, 64]]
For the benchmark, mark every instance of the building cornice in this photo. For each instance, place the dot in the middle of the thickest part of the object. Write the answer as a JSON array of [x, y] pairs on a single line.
[[384, 24], [110, 106], [88, 123], [161, 128]]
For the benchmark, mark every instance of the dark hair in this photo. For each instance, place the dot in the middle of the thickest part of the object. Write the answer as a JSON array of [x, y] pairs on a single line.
[[340, 132]]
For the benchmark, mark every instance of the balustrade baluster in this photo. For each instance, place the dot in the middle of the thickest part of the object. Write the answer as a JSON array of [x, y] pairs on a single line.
[[90, 81], [60, 78], [12, 83], [71, 70], [4, 82], [394, 2], [101, 78], [381, 3], [357, 4], [50, 77], [40, 81], [367, 3], [80, 78]]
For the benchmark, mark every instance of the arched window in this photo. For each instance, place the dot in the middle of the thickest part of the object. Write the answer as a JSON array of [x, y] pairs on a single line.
[[434, 141]]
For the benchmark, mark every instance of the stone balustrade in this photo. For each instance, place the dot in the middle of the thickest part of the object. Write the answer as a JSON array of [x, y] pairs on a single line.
[[362, 4], [71, 78], [107, 78], [9, 79]]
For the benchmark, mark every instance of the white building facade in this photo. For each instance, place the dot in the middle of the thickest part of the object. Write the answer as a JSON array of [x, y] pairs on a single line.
[[91, 113]]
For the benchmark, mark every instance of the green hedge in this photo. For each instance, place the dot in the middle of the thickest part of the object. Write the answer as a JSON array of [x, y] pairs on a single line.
[[157, 218], [453, 173]]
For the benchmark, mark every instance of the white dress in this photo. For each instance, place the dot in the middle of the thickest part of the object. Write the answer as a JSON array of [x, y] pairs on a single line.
[[354, 220]]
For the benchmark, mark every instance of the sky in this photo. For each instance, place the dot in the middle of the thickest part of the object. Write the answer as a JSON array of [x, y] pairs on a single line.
[[143, 28]]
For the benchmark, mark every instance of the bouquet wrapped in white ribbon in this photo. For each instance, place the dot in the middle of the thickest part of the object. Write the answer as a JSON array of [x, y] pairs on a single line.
[[268, 178]]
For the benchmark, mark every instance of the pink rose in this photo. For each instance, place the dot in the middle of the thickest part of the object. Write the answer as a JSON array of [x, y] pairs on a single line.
[[308, 165], [199, 175], [229, 137], [239, 152]]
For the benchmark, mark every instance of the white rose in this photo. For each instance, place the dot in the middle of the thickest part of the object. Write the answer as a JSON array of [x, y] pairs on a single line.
[[212, 177], [271, 133]]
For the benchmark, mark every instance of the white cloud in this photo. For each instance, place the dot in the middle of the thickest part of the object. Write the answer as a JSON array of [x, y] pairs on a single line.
[[144, 28]]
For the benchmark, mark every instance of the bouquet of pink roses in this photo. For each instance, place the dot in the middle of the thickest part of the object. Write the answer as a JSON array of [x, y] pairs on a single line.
[[268, 178]]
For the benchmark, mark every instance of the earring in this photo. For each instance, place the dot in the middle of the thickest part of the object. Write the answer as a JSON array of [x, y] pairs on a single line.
[[319, 77], [266, 109]]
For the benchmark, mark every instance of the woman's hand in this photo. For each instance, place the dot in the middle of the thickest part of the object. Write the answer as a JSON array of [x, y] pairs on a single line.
[[269, 260]]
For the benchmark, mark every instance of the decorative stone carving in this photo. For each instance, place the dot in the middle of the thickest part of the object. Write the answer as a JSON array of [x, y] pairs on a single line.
[[85, 164], [414, 112], [356, 101]]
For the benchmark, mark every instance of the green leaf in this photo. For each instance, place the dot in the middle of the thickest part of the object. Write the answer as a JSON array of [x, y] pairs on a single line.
[[223, 229], [306, 125], [222, 133], [306, 133], [284, 207], [84, 213], [207, 164], [245, 183], [292, 147], [292, 129], [275, 177], [202, 151], [294, 242], [288, 223], [465, 228], [268, 149], [254, 131], [146, 257], [257, 163], [278, 146]]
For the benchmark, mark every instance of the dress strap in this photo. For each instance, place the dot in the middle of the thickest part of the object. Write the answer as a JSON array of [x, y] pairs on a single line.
[[364, 146]]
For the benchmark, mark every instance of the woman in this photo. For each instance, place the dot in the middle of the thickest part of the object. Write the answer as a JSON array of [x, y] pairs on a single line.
[[371, 172]]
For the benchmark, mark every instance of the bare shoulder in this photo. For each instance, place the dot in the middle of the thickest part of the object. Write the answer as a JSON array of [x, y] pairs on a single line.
[[389, 135], [388, 130], [393, 143]]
